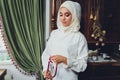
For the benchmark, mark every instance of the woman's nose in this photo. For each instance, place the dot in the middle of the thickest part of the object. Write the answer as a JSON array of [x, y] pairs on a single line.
[[63, 17]]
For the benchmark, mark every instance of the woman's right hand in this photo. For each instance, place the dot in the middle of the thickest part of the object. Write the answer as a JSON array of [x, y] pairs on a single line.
[[47, 75]]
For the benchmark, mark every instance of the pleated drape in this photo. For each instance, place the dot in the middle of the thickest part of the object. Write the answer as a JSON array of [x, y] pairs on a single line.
[[23, 25]]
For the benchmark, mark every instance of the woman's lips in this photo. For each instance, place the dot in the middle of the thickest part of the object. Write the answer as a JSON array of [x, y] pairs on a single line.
[[63, 22]]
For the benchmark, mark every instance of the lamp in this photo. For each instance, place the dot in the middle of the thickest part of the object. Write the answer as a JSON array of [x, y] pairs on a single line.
[[98, 34]]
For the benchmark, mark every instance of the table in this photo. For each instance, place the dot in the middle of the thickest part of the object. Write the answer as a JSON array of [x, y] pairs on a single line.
[[2, 73]]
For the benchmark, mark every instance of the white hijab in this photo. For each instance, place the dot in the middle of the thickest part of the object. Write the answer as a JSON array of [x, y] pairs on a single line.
[[75, 10]]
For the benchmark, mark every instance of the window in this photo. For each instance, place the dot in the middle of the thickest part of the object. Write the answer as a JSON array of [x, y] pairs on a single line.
[[3, 51]]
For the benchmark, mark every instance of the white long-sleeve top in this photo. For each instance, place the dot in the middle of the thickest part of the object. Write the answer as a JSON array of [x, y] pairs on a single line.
[[72, 45]]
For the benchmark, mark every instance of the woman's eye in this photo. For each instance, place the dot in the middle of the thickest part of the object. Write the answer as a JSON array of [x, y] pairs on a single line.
[[60, 14], [67, 15]]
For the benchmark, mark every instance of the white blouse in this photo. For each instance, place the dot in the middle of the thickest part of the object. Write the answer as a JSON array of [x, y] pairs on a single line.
[[72, 45]]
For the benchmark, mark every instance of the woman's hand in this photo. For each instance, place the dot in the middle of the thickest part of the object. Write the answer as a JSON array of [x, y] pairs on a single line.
[[58, 59], [47, 75]]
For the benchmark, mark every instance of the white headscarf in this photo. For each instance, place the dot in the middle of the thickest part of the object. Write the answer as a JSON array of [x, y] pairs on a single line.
[[75, 10]]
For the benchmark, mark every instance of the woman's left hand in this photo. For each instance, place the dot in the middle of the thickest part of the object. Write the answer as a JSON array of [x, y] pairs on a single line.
[[58, 59]]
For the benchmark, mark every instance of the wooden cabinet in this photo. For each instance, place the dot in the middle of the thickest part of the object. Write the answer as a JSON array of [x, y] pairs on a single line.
[[109, 18], [101, 71]]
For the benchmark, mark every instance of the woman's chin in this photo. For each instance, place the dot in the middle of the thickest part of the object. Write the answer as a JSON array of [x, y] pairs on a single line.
[[65, 25]]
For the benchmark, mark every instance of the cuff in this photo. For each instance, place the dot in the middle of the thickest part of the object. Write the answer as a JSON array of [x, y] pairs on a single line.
[[69, 63]]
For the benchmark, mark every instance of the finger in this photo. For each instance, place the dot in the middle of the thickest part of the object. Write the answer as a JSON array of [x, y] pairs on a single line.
[[49, 76], [46, 74], [52, 57]]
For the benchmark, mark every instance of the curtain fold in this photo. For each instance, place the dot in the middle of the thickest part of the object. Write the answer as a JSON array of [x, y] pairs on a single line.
[[23, 24]]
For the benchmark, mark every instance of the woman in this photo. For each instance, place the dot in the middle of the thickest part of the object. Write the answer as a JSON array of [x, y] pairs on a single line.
[[66, 47]]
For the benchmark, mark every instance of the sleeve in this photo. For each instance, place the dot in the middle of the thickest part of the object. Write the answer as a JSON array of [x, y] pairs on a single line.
[[45, 54], [79, 64], [45, 58]]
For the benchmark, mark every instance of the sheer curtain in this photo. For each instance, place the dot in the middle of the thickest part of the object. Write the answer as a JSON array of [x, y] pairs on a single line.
[[4, 57], [23, 25]]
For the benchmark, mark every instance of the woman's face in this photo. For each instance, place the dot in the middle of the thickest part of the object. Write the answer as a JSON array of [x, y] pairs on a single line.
[[65, 16]]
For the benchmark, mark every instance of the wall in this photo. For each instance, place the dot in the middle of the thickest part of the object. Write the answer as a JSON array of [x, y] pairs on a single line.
[[47, 20]]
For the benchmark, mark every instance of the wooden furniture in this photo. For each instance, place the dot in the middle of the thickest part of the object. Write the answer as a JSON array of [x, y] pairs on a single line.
[[2, 73], [109, 18], [101, 71]]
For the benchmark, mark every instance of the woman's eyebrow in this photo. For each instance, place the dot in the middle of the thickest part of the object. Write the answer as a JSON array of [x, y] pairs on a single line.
[[60, 12], [65, 13]]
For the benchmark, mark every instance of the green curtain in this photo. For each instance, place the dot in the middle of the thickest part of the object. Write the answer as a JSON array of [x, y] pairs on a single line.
[[23, 23]]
